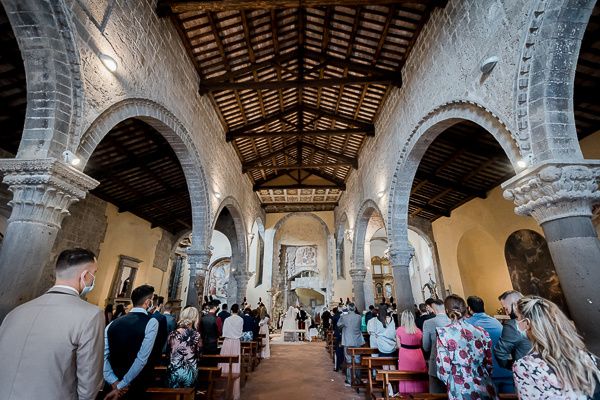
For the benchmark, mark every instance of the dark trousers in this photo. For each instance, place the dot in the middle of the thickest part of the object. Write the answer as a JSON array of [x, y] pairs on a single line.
[[436, 385], [339, 357]]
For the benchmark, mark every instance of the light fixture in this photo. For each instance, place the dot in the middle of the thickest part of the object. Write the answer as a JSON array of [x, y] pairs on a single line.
[[218, 195], [525, 161], [488, 64], [70, 158], [381, 193], [108, 62], [521, 163]]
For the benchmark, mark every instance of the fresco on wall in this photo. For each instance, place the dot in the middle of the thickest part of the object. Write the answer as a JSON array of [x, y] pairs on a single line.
[[218, 279], [299, 259], [531, 268]]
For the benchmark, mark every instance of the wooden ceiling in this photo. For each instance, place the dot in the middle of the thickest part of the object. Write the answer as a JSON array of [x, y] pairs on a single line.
[[298, 84], [139, 172], [13, 88]]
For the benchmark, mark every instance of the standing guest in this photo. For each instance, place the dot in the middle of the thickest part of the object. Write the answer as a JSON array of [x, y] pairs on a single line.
[[108, 314], [210, 330], [224, 313], [337, 335], [128, 344], [301, 318], [185, 347], [464, 355], [232, 332], [249, 326], [171, 321], [410, 357], [351, 337], [424, 315], [503, 379], [52, 345], [372, 331], [513, 344], [264, 330], [369, 314], [326, 319], [559, 365], [394, 312], [385, 332], [163, 331], [119, 311], [436, 307]]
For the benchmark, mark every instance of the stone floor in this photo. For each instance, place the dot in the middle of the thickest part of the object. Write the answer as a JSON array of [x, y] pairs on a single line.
[[298, 372]]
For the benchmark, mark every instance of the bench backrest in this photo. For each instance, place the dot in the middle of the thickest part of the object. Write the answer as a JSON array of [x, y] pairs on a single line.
[[170, 394], [362, 351]]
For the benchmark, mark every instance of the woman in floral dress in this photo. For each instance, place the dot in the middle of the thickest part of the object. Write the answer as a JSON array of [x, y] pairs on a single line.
[[559, 365], [464, 355], [185, 347]]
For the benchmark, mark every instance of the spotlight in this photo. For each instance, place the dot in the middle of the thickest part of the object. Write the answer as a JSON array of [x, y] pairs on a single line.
[[218, 195], [381, 194], [521, 163], [108, 62], [70, 158]]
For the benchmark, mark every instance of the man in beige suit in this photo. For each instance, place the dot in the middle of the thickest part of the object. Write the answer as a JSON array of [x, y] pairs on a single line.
[[51, 347]]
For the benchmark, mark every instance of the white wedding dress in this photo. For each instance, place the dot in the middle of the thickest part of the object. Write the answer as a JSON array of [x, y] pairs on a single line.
[[290, 323]]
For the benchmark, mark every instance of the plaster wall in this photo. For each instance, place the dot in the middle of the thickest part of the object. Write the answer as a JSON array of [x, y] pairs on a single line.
[[421, 266]]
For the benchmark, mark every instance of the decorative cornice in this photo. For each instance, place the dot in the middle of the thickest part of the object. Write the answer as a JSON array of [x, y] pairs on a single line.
[[358, 274], [554, 189]]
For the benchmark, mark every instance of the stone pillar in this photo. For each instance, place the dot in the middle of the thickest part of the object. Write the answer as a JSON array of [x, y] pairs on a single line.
[[339, 262], [198, 261], [400, 260], [242, 277], [560, 197], [358, 280], [43, 190]]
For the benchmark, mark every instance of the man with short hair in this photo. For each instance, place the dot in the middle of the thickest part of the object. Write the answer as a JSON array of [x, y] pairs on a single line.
[[369, 314], [502, 378], [351, 337], [436, 306], [128, 345], [54, 342], [171, 321], [210, 330], [163, 330], [424, 315], [224, 313], [513, 344]]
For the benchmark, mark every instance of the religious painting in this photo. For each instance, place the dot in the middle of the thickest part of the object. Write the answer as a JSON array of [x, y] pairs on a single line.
[[123, 280], [299, 259], [531, 268], [388, 290], [218, 279]]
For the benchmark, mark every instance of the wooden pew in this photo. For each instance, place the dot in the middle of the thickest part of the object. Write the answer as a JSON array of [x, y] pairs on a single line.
[[206, 382], [159, 375], [229, 377], [372, 363], [354, 366], [157, 393], [388, 376]]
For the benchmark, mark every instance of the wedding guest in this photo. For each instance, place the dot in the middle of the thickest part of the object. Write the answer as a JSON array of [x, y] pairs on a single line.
[[185, 347], [232, 332], [349, 323], [108, 314], [424, 315], [430, 342], [513, 344], [410, 357], [385, 332], [119, 311], [264, 330]]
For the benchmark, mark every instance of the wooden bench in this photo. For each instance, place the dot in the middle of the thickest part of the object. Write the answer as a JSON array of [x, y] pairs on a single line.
[[229, 376], [206, 382], [388, 376], [354, 366], [157, 393], [372, 363], [434, 396], [159, 375]]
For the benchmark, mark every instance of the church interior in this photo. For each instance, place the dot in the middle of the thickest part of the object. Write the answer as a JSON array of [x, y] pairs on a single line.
[[300, 152]]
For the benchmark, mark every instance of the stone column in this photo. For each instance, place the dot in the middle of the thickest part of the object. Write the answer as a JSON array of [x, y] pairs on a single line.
[[400, 260], [358, 281], [242, 277], [43, 190], [339, 261], [198, 261], [560, 197]]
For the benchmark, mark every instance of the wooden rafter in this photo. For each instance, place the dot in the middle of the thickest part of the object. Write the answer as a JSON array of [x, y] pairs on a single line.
[[322, 132], [352, 161], [299, 167]]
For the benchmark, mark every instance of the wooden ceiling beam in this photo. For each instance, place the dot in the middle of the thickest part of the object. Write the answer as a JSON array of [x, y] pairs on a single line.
[[263, 121], [254, 67], [324, 132], [267, 157], [442, 212], [154, 198], [179, 6], [298, 167], [338, 117], [387, 79], [299, 186], [326, 176], [352, 66], [449, 184], [350, 160]]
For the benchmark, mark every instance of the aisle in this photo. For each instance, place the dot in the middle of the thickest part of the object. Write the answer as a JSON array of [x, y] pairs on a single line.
[[299, 372]]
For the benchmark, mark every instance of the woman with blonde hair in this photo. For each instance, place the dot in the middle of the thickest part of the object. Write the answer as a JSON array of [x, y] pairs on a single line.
[[184, 347], [559, 365], [410, 357]]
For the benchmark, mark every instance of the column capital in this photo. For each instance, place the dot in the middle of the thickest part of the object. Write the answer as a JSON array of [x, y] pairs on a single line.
[[43, 189], [241, 275], [553, 189], [358, 274], [401, 257], [198, 260]]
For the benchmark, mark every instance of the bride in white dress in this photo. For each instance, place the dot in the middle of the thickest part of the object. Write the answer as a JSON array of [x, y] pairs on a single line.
[[290, 323]]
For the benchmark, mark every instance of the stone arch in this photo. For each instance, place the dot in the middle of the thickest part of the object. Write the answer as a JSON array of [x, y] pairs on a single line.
[[546, 76], [44, 31], [366, 211], [439, 276], [239, 253], [426, 131], [180, 140]]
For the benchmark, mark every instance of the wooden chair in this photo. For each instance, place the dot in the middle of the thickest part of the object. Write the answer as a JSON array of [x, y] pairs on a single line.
[[372, 363], [354, 366], [388, 376], [229, 377], [157, 393], [206, 382]]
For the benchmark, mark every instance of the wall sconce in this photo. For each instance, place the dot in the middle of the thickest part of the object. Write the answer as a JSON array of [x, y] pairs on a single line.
[[218, 195], [108, 62], [381, 193], [525, 161], [488, 64], [348, 234], [70, 158]]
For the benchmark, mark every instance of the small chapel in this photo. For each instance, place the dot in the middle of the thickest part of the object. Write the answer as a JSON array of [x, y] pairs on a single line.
[[299, 199]]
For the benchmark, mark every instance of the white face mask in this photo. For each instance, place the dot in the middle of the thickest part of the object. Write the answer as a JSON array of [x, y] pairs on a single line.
[[86, 289]]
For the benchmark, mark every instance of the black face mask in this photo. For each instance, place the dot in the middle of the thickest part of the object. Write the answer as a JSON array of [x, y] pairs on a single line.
[[512, 314]]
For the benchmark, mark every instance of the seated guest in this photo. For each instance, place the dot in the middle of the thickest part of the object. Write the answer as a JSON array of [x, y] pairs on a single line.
[[128, 344], [513, 344], [249, 326], [430, 342], [503, 379], [559, 365], [185, 347], [210, 330], [464, 355], [385, 332], [371, 330], [410, 357], [424, 315], [232, 332]]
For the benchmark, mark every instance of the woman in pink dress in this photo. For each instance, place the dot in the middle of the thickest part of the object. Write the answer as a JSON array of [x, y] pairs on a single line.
[[410, 356]]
